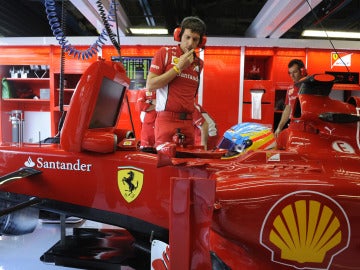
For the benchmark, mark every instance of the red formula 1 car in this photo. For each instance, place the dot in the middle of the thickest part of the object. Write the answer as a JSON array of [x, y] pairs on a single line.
[[296, 207]]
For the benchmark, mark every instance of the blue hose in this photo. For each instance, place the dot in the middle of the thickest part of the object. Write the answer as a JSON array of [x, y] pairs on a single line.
[[58, 33]]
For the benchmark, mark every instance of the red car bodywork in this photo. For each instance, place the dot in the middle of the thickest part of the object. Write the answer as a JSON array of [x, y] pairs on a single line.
[[293, 208]]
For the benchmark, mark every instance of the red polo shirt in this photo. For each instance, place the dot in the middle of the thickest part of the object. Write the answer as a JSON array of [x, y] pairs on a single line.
[[179, 94]]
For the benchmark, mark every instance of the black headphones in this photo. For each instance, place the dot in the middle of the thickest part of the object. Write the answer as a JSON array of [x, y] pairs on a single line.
[[180, 30]]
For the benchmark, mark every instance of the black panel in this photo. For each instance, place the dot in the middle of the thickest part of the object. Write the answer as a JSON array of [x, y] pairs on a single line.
[[345, 77]]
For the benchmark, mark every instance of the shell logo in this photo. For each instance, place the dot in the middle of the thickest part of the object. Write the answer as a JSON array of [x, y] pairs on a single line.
[[130, 181], [305, 230]]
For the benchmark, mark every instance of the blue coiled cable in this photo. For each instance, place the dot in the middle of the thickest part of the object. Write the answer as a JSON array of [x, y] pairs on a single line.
[[58, 33]]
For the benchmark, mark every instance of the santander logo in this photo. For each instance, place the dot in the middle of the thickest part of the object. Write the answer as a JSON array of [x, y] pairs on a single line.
[[29, 163], [41, 163]]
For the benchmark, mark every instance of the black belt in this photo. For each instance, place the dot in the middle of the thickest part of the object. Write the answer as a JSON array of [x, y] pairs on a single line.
[[177, 115]]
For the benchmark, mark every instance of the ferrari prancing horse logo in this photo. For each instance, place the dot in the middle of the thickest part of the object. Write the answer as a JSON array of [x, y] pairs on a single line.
[[130, 182]]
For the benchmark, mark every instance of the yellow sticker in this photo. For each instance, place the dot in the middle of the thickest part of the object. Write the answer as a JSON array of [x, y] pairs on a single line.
[[130, 182], [335, 56]]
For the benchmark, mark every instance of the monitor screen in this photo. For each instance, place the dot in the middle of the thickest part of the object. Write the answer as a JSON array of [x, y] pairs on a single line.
[[107, 105]]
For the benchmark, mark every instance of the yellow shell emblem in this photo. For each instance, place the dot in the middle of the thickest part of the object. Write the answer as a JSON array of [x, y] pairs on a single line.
[[130, 182], [305, 229]]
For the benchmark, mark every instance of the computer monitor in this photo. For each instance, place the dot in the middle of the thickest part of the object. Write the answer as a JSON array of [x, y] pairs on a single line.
[[95, 104], [108, 104]]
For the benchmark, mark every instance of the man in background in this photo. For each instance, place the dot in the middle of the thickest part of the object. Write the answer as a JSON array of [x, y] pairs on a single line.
[[146, 104], [297, 71]]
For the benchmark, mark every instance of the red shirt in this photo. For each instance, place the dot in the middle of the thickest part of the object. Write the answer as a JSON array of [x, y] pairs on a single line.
[[179, 94], [144, 101], [291, 95]]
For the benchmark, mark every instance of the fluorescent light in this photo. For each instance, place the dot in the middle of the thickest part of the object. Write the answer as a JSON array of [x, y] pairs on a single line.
[[149, 31], [332, 34]]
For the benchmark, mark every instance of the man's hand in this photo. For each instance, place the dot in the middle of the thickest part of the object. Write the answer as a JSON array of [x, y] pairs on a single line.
[[186, 60]]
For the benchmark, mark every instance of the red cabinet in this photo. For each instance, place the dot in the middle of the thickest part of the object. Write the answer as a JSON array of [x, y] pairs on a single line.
[[27, 72], [258, 101]]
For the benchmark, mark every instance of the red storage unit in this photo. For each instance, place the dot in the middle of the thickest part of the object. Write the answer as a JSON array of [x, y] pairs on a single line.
[[258, 107], [282, 57], [18, 58], [267, 114], [221, 78], [258, 94], [267, 86]]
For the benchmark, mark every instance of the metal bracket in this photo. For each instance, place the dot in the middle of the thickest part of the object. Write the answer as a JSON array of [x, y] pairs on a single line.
[[20, 173]]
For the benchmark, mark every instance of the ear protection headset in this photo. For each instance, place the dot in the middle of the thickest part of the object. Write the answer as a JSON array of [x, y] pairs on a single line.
[[303, 72], [180, 30]]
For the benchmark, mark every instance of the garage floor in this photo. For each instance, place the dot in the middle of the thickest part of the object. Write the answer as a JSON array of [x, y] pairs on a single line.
[[24, 252]]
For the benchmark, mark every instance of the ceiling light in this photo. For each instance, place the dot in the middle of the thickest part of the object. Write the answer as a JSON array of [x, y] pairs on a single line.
[[149, 31], [331, 34]]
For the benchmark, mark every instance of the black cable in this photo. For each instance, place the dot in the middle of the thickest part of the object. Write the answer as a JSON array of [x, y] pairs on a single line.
[[107, 26], [323, 28], [116, 45], [117, 29], [62, 72]]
